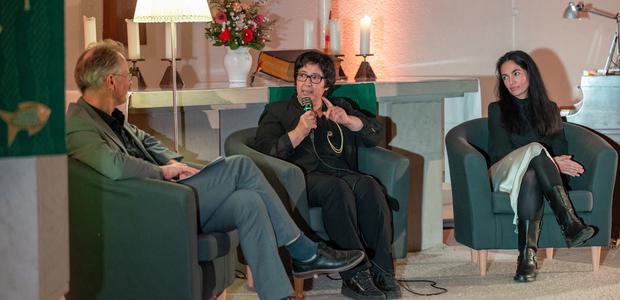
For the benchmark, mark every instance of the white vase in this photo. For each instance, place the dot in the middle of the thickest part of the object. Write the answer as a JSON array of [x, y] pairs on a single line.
[[238, 63]]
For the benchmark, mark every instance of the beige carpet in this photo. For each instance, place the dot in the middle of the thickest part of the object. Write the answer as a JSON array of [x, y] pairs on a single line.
[[568, 276]]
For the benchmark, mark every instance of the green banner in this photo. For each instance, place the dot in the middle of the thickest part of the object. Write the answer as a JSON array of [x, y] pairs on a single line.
[[32, 77], [363, 94]]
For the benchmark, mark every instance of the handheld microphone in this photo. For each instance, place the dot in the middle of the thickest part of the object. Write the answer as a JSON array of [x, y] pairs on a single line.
[[306, 103]]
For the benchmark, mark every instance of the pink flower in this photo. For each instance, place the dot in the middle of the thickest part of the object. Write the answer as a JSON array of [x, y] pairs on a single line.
[[237, 7], [259, 19], [225, 35], [248, 35], [220, 17]]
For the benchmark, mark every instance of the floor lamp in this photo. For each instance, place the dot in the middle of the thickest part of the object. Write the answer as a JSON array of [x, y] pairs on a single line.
[[572, 12], [177, 11]]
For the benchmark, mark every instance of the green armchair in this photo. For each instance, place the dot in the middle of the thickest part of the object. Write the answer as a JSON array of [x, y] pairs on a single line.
[[289, 182], [139, 239], [483, 218]]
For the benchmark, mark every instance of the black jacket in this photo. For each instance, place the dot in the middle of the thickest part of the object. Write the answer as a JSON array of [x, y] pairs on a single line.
[[281, 117], [502, 142]]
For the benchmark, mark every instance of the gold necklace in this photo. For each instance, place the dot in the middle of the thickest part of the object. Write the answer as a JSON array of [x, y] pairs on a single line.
[[329, 134]]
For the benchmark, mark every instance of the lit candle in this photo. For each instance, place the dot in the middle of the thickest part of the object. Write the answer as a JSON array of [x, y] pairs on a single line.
[[309, 35], [133, 39], [90, 31], [365, 35], [325, 7], [334, 37]]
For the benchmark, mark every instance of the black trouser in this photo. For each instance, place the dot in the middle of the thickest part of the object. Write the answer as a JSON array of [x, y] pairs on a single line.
[[356, 215], [541, 176]]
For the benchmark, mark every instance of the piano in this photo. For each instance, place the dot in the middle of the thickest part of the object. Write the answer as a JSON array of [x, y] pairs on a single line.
[[599, 110]]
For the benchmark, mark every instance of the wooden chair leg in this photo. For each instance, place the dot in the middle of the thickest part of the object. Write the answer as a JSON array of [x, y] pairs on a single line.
[[482, 259], [221, 296], [250, 278], [299, 288], [596, 258], [549, 253], [474, 256]]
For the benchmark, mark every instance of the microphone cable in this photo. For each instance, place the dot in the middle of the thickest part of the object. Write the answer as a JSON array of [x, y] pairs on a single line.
[[404, 283]]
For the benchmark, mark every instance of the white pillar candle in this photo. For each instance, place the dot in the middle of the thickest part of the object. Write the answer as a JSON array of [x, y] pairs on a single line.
[[309, 34], [169, 42], [325, 7], [365, 35], [133, 39], [90, 31], [334, 37]]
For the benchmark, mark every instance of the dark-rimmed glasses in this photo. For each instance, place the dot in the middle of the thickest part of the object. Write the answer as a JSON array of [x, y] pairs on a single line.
[[314, 78]]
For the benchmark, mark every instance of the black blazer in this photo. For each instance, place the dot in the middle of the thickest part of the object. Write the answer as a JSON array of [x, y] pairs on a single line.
[[281, 117]]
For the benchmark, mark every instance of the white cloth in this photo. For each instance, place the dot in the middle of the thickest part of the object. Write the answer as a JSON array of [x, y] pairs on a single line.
[[506, 174]]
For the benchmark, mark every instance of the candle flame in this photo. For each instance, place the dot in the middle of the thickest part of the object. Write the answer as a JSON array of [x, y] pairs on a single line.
[[26, 4]]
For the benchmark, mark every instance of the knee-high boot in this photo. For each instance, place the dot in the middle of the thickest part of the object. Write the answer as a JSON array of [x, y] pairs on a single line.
[[574, 230], [529, 232]]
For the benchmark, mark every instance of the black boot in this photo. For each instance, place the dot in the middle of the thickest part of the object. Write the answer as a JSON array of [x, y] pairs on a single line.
[[529, 231], [574, 230]]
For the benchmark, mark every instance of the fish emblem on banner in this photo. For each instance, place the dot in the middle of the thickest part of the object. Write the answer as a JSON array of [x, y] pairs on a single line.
[[30, 116]]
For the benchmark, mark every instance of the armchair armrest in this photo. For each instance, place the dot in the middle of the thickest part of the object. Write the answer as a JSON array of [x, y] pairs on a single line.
[[393, 171], [599, 160], [390, 168], [133, 237], [471, 191], [287, 179]]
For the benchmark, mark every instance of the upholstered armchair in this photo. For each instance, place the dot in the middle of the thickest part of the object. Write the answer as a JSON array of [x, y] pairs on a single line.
[[483, 218], [139, 239], [289, 182]]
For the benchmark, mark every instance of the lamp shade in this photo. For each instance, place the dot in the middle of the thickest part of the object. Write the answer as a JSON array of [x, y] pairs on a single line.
[[176, 11]]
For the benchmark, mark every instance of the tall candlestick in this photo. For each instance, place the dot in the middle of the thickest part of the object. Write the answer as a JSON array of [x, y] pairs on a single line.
[[90, 31], [133, 39], [309, 35], [169, 42], [325, 7], [334, 37], [365, 35]]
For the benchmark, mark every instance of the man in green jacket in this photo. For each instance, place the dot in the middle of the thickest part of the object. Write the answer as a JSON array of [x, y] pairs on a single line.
[[231, 194]]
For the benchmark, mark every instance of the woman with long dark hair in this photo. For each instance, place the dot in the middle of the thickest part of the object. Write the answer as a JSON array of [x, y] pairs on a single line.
[[528, 152]]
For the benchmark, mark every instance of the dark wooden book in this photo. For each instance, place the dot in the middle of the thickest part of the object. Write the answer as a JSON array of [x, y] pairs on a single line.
[[281, 63]]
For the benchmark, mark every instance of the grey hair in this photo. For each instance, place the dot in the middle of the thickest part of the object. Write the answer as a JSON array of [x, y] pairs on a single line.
[[97, 62]]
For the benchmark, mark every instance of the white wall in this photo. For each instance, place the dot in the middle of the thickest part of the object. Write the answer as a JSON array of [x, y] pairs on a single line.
[[409, 37]]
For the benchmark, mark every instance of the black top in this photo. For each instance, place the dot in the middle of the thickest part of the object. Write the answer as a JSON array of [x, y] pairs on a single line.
[[116, 122], [502, 142], [281, 117]]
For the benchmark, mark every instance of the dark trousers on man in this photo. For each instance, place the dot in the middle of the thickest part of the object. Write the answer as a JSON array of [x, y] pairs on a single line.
[[356, 215]]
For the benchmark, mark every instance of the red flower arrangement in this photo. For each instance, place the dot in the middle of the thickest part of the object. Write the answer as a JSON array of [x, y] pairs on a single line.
[[238, 24]]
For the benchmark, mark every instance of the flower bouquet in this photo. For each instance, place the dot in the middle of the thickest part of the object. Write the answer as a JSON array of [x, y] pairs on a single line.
[[238, 24]]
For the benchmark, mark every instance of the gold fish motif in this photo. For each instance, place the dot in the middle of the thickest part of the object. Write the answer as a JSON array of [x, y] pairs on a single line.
[[30, 116]]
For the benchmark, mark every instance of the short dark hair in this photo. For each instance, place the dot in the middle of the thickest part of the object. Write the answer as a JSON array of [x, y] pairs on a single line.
[[325, 63]]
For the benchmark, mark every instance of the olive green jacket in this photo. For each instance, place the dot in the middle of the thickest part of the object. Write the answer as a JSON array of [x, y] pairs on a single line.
[[90, 140]]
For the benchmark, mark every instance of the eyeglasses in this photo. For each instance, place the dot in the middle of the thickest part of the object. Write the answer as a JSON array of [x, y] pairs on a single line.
[[314, 78], [128, 76]]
